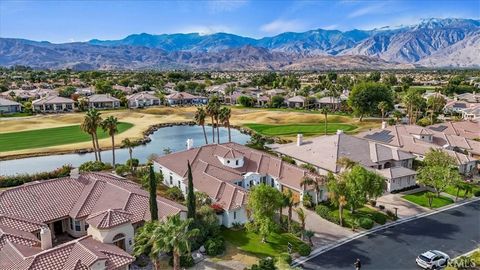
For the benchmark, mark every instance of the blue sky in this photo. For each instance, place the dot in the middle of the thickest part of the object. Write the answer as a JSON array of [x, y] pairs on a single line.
[[81, 20]]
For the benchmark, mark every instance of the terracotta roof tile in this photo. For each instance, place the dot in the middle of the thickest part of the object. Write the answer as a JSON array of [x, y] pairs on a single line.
[[109, 218]]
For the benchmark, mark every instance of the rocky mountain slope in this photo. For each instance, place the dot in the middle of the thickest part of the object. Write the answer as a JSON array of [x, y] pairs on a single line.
[[432, 43]]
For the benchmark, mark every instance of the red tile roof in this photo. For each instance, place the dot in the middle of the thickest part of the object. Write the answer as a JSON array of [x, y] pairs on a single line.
[[109, 218]]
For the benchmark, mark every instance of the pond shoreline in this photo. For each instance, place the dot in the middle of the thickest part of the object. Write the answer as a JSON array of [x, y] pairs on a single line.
[[143, 141]]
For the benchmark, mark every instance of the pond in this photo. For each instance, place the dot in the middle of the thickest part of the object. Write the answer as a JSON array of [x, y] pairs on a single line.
[[173, 138]]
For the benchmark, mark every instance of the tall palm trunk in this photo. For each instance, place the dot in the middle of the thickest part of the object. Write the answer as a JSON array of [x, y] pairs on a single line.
[[326, 124], [176, 260], [94, 146], [289, 217], [281, 214], [113, 151], [218, 130], [213, 130], [205, 134], [130, 150], [98, 147], [340, 214], [229, 135]]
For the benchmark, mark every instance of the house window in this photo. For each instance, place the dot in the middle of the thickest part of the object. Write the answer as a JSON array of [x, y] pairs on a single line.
[[71, 224], [171, 180], [234, 214], [236, 162], [78, 228]]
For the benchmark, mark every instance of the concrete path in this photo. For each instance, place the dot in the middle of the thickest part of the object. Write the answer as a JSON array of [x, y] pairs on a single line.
[[326, 232]]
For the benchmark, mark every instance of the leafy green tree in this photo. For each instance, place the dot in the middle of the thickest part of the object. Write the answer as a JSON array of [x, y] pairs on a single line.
[[365, 97], [439, 171], [174, 235], [263, 201], [110, 125], [67, 92], [191, 200], [361, 185], [200, 116], [391, 79], [152, 188], [246, 101], [374, 76], [332, 76], [277, 101], [338, 193]]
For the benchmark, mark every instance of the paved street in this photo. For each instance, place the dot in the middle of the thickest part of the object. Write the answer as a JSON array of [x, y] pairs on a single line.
[[455, 232]]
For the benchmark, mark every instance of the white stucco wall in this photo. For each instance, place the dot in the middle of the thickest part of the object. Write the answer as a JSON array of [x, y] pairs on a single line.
[[106, 236], [234, 216], [400, 183]]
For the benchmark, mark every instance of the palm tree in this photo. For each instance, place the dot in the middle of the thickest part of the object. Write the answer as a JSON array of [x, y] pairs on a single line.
[[346, 163], [87, 127], [309, 234], [173, 235], [290, 203], [200, 116], [110, 125], [317, 187], [225, 114], [301, 217], [212, 111], [342, 201], [325, 111], [397, 114], [305, 182], [95, 120], [383, 106], [128, 144]]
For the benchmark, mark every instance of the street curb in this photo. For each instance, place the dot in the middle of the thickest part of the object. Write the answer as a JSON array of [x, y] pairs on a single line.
[[347, 239]]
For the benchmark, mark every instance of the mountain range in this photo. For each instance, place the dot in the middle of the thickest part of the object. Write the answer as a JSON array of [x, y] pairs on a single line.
[[430, 43]]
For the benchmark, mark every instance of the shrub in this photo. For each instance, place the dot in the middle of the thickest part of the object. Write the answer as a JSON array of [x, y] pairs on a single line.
[[309, 167], [132, 163], [122, 169], [304, 250], [174, 193], [185, 261], [19, 179], [94, 166], [379, 218], [214, 246], [264, 264], [476, 193], [307, 200], [365, 223], [323, 211], [288, 160], [285, 257]]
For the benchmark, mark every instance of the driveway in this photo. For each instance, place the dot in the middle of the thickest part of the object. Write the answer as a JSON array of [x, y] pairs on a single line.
[[326, 232], [405, 208], [454, 231]]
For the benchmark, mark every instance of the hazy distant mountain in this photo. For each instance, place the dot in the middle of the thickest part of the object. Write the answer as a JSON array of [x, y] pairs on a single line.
[[432, 42]]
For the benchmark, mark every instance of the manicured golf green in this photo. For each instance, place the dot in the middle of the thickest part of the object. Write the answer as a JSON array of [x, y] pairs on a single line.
[[305, 129], [421, 199], [49, 137]]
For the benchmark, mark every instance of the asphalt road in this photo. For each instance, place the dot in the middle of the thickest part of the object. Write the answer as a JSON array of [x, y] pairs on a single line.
[[455, 232]]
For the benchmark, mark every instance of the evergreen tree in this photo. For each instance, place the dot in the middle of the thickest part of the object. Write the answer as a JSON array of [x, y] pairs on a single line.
[[191, 194], [153, 194]]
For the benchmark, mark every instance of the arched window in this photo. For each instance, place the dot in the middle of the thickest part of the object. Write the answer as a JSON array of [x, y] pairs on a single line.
[[119, 240]]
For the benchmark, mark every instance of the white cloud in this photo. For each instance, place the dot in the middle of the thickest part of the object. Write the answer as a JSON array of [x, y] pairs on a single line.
[[331, 27], [367, 10], [280, 26], [206, 29], [217, 6]]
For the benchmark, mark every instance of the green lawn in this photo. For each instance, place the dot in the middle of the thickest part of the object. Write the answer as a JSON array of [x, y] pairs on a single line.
[[49, 137], [305, 129], [364, 212], [420, 199], [453, 190], [252, 242]]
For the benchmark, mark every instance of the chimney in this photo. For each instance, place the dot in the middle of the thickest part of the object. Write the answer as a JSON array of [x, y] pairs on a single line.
[[339, 131], [384, 125], [189, 144], [45, 238], [299, 139], [75, 173]]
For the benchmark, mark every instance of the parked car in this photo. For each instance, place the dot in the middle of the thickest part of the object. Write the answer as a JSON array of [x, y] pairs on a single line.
[[432, 259]]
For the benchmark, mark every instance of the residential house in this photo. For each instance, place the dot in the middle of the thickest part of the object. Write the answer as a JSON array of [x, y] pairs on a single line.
[[9, 106], [225, 172], [142, 99], [324, 152], [419, 140], [50, 104], [472, 113], [103, 101], [85, 221], [466, 129], [296, 102], [468, 97], [456, 106], [184, 98], [276, 92]]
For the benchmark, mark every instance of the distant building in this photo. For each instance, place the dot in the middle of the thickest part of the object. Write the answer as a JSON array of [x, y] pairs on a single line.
[[142, 99], [296, 102], [9, 106], [51, 104], [184, 98], [103, 101]]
